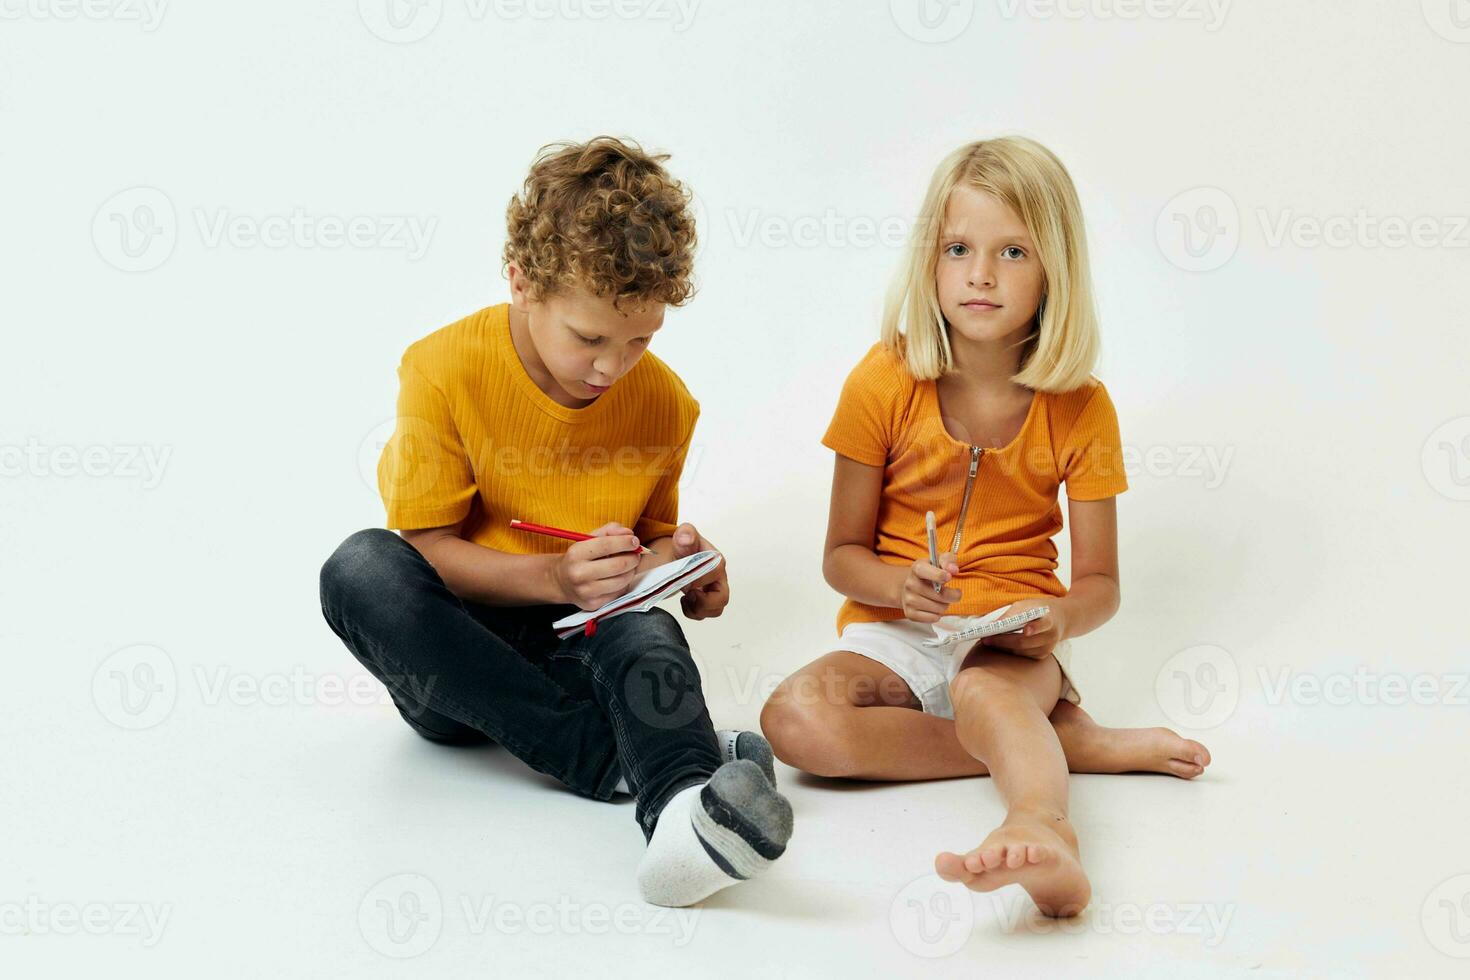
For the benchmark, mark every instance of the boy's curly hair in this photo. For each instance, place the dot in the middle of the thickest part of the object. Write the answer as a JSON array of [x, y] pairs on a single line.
[[604, 216]]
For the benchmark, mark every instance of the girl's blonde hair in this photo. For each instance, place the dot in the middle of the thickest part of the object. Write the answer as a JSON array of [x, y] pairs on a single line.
[[1058, 356]]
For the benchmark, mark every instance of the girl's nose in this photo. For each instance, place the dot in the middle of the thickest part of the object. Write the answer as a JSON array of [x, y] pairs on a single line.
[[981, 274]]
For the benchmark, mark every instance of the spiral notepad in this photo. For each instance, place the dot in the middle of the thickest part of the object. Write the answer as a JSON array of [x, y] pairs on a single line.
[[958, 629], [647, 591]]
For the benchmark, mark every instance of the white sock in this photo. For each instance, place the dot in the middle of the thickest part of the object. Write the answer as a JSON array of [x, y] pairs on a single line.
[[676, 870], [711, 835], [622, 786]]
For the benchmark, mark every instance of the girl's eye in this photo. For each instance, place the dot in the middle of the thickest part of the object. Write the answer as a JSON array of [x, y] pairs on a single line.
[[589, 341], [957, 251], [1020, 253]]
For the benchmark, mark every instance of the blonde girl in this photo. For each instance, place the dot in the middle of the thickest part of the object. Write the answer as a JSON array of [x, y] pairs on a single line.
[[978, 404]]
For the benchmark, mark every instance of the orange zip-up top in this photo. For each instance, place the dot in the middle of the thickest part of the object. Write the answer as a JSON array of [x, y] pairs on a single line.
[[1007, 495], [476, 438]]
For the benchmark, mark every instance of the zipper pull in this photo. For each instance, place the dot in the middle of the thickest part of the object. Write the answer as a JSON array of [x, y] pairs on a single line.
[[975, 452]]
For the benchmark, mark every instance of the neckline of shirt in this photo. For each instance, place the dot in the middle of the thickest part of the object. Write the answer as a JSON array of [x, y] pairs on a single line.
[[1031, 411], [505, 344]]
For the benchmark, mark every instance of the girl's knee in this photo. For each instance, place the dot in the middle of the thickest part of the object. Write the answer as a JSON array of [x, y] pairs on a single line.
[[810, 735], [978, 685]]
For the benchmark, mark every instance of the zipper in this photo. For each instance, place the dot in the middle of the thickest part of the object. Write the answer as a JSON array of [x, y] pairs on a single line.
[[975, 454]]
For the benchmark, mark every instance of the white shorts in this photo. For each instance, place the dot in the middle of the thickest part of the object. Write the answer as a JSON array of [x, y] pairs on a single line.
[[898, 645]]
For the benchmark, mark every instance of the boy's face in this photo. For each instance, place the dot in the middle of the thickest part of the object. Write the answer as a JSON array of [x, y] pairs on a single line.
[[988, 275], [580, 343]]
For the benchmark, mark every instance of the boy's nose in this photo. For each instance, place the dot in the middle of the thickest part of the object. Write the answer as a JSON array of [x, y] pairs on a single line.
[[609, 366]]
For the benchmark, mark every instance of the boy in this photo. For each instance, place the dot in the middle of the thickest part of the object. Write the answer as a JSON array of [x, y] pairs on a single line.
[[549, 409]]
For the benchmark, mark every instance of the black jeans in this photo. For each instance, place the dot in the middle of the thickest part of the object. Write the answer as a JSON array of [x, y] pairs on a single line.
[[585, 710]]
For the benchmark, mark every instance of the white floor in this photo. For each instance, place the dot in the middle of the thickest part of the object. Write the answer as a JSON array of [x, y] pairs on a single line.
[[245, 821]]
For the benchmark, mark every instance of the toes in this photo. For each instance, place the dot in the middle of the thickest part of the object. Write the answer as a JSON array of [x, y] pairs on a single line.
[[951, 867], [1183, 769], [1016, 856], [992, 858]]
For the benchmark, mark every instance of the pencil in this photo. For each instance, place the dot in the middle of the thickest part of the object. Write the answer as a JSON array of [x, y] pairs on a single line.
[[556, 532], [933, 546]]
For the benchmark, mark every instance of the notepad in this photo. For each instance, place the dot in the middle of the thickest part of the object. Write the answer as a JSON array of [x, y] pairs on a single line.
[[647, 591], [958, 629]]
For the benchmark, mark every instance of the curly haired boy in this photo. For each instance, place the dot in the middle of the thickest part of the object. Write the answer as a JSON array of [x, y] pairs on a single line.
[[550, 409]]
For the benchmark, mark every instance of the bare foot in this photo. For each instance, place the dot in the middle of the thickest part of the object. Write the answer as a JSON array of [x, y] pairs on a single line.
[[1092, 748], [1036, 850]]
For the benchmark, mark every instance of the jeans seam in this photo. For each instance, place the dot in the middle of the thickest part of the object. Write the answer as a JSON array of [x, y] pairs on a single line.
[[613, 712]]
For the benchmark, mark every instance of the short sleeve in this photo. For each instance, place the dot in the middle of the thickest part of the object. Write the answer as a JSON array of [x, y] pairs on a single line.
[[424, 473], [1091, 456], [862, 427], [660, 516]]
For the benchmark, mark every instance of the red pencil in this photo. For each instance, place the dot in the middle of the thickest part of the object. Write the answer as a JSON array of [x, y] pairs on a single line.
[[557, 532]]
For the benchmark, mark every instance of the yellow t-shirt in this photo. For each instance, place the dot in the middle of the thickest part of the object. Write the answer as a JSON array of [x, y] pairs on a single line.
[[476, 438], [887, 418]]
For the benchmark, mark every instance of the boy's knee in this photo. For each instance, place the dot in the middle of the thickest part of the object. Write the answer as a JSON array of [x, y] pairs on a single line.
[[360, 565], [642, 633]]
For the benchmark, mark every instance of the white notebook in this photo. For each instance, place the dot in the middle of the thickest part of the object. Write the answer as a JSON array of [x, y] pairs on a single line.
[[647, 591], [958, 629]]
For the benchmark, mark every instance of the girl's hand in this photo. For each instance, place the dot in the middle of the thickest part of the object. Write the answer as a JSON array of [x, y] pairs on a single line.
[[1037, 638], [917, 598]]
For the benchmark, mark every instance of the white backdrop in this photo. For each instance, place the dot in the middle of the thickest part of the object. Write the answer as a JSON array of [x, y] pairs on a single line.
[[223, 224]]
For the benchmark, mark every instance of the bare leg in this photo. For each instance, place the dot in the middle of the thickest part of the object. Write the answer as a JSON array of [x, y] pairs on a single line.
[[847, 715], [1001, 707]]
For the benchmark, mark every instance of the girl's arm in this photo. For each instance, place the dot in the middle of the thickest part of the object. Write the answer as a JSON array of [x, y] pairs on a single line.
[[1094, 596], [850, 565]]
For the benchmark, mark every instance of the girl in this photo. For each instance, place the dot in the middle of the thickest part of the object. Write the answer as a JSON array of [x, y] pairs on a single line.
[[978, 405]]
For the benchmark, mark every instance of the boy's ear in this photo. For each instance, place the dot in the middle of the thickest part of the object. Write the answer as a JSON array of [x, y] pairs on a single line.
[[520, 296]]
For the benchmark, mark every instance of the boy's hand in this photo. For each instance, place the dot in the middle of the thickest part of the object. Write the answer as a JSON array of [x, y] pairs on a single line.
[[1037, 638], [706, 598], [918, 600], [593, 572]]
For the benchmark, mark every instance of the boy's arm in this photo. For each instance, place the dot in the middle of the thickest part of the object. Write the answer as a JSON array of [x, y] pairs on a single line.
[[706, 598], [588, 574]]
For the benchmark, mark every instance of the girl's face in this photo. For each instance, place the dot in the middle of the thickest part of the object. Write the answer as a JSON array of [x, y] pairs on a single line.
[[581, 344], [988, 276]]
